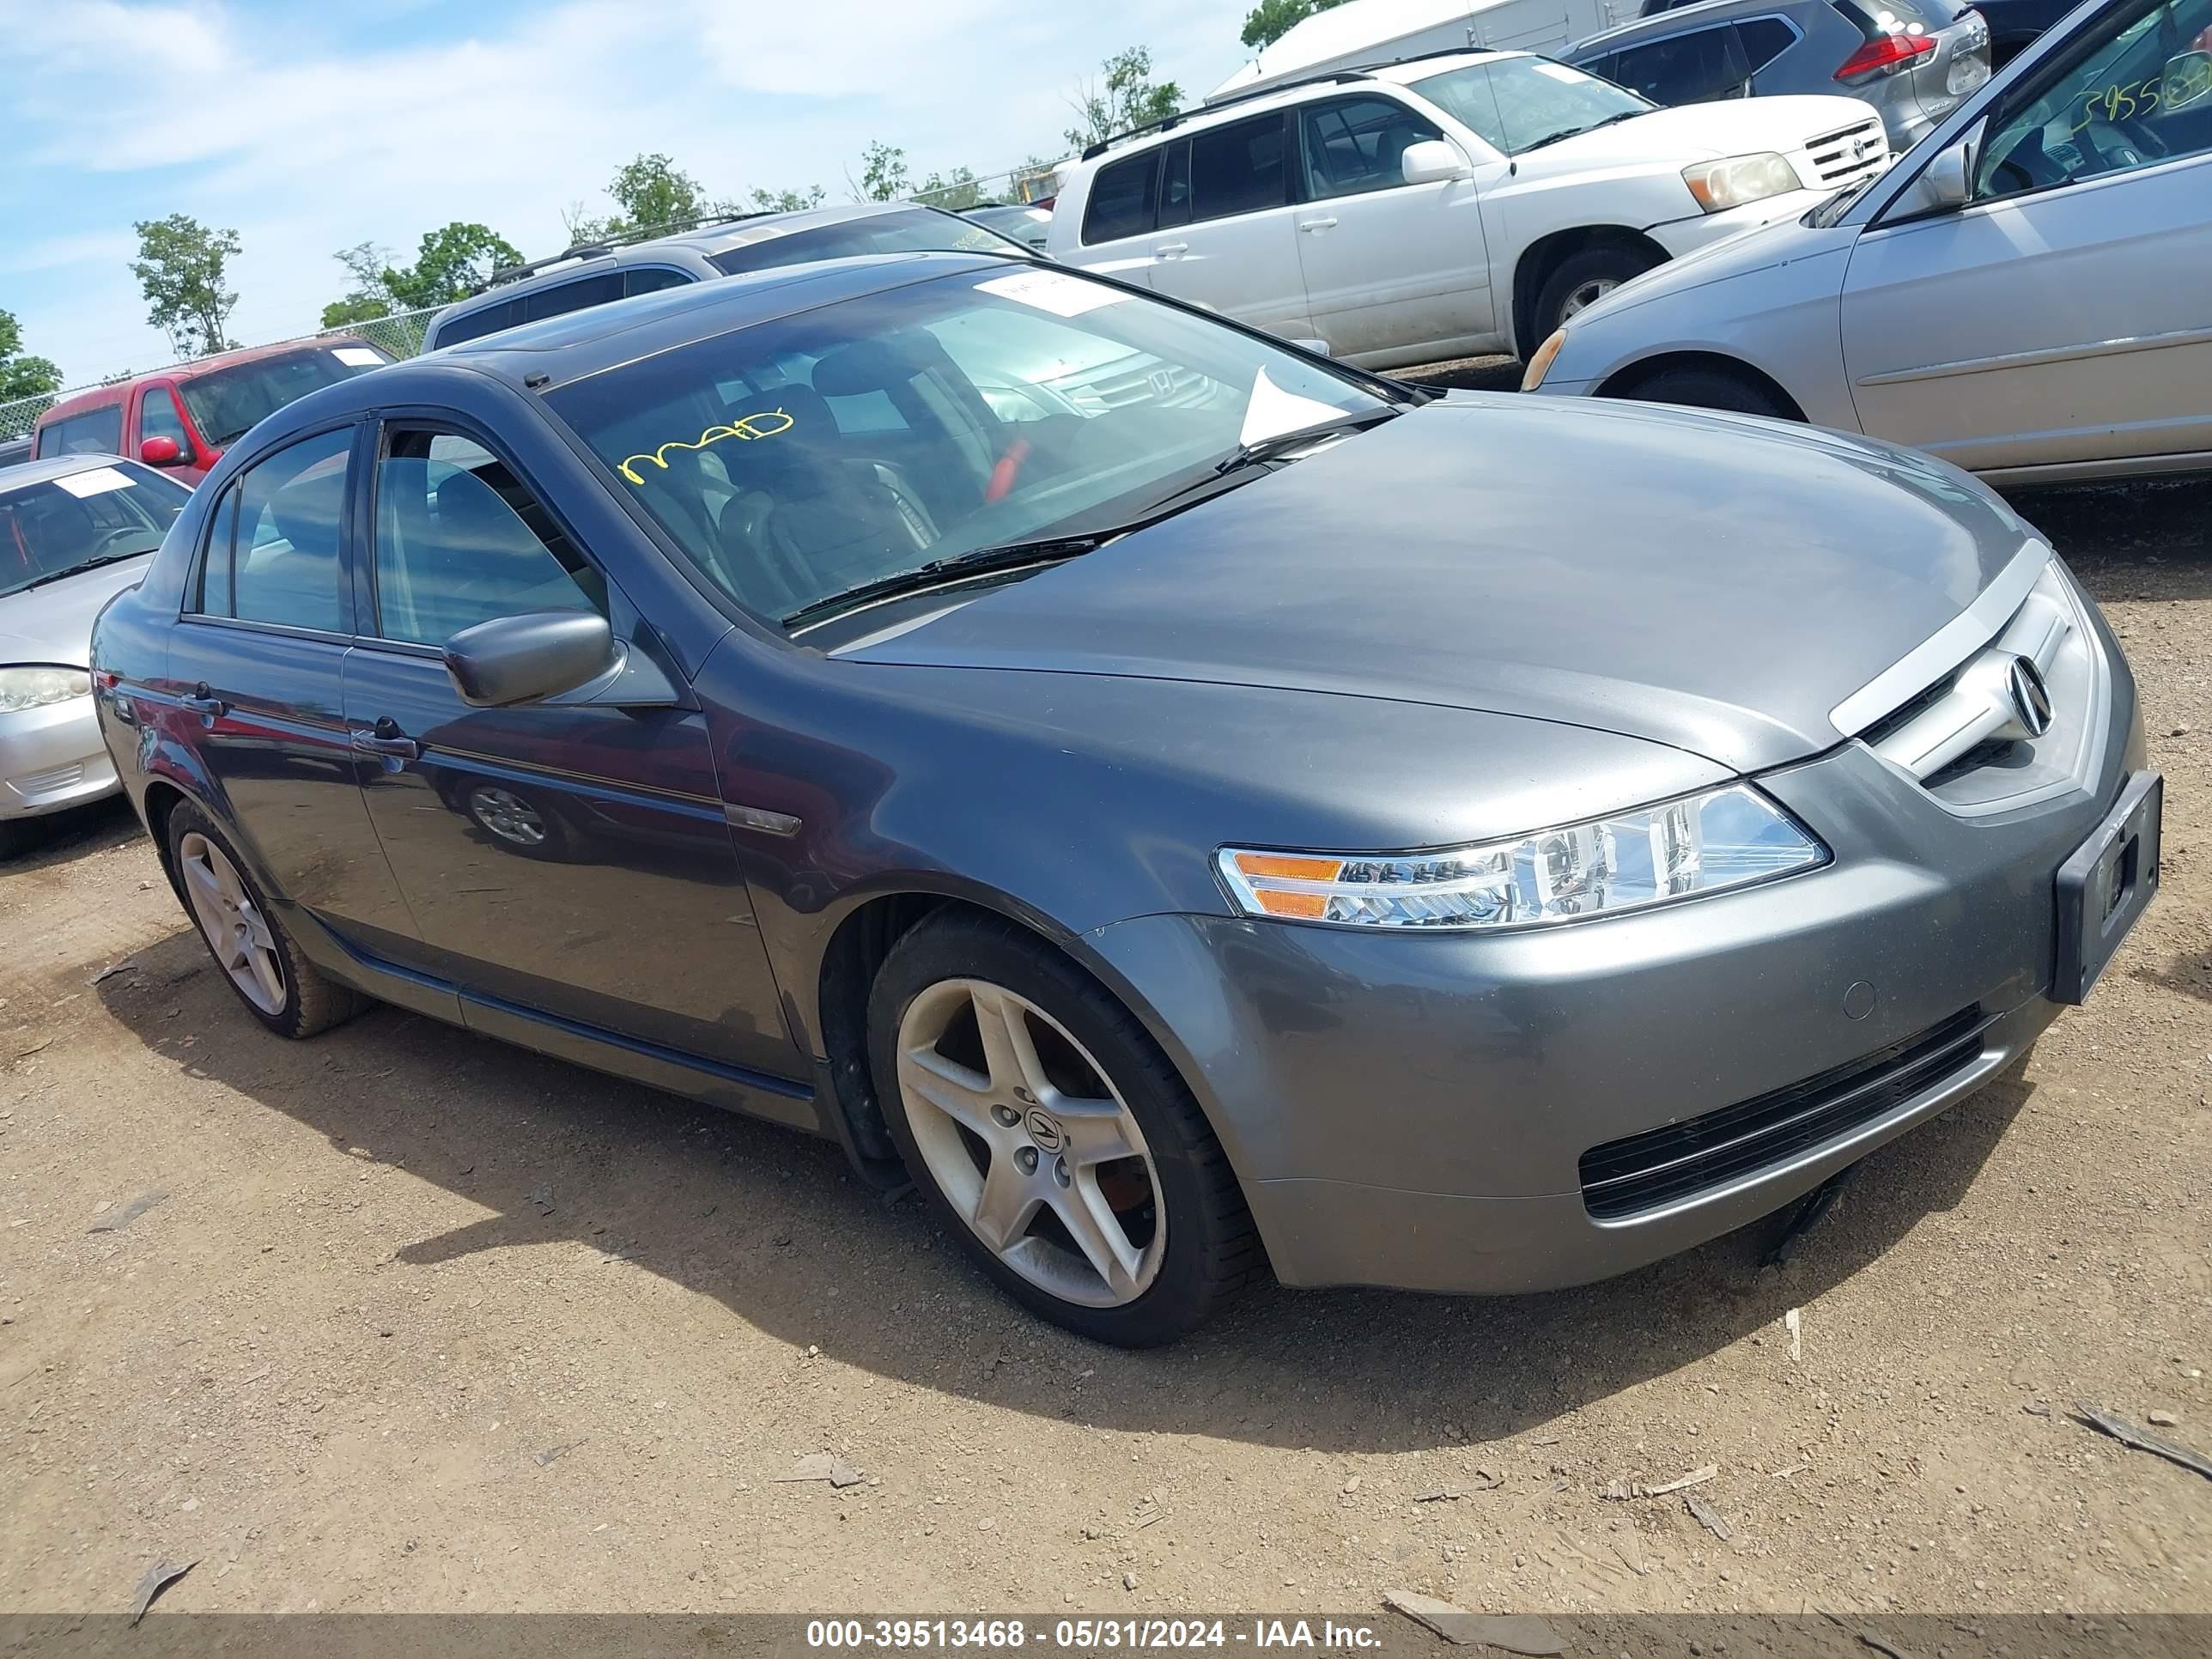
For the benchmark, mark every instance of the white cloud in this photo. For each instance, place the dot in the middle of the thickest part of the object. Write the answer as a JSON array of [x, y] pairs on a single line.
[[307, 143]]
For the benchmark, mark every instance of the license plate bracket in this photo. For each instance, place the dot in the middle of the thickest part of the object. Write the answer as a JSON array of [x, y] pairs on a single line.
[[2105, 885]]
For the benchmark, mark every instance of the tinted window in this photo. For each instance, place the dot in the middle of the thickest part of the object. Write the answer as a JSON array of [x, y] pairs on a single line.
[[99, 514], [1763, 39], [95, 432], [1696, 68], [485, 320], [1517, 104], [225, 404], [1238, 168], [1354, 144], [459, 541], [2133, 90], [909, 230], [651, 279], [284, 558], [1120, 201], [215, 598], [158, 418], [563, 298], [1175, 185]]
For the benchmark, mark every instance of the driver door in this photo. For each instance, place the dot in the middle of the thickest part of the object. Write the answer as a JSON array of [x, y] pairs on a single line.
[[2061, 318]]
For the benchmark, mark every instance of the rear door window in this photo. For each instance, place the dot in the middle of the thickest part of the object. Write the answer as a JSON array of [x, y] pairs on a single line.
[[1120, 201], [563, 298], [1239, 169], [485, 320], [93, 432]]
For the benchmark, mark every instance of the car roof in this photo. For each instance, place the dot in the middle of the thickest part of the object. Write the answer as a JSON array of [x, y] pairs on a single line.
[[54, 466], [114, 392], [1681, 18]]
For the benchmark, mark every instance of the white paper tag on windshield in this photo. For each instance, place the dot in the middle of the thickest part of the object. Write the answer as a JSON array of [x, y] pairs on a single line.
[[1054, 291], [356, 356], [1273, 411], [94, 481], [1561, 72]]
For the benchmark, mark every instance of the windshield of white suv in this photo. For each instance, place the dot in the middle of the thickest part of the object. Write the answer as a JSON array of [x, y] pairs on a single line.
[[799, 459], [1519, 104]]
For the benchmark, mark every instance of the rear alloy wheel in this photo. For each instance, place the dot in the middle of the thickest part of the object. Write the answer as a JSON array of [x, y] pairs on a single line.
[[1584, 278], [283, 989], [1053, 1137]]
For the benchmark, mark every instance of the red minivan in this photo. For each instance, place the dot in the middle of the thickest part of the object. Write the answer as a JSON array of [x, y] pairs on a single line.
[[182, 419]]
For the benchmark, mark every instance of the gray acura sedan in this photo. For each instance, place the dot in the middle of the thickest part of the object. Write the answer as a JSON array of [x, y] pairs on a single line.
[[1302, 823]]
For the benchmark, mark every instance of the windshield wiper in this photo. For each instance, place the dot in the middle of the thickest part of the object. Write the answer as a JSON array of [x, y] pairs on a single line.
[[79, 569], [1277, 445], [981, 561], [1576, 132]]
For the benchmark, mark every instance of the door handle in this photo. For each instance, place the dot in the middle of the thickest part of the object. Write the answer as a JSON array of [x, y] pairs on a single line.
[[1317, 225], [385, 738], [204, 703], [1170, 250]]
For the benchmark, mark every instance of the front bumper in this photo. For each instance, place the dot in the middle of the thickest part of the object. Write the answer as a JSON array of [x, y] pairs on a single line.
[[1415, 1110], [52, 758], [1681, 236]]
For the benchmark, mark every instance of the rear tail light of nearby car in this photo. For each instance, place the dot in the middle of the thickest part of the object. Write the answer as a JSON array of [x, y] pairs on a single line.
[[1885, 54]]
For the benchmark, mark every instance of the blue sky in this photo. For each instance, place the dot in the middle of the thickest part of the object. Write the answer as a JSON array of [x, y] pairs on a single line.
[[309, 128]]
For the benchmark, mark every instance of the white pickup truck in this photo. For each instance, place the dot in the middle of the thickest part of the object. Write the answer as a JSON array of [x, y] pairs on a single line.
[[1463, 202]]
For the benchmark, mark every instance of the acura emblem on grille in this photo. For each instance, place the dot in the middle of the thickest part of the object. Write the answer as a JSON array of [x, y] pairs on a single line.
[[2031, 697]]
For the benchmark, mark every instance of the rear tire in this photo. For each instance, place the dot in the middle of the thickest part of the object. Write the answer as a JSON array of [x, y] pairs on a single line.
[[1583, 279], [1710, 388], [1031, 1106], [257, 958]]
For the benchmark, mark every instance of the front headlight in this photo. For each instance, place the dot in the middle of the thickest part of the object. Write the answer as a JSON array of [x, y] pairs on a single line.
[[1706, 843], [1541, 364], [1719, 185], [36, 686]]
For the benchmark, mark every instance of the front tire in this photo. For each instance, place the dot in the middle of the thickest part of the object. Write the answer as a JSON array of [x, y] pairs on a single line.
[[1584, 278], [1710, 388], [279, 986], [1049, 1134]]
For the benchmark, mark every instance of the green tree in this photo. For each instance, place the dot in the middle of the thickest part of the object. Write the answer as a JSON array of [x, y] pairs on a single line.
[[180, 268], [451, 262], [1271, 20], [789, 200], [883, 174], [368, 297], [950, 190], [1130, 98], [651, 192], [22, 376]]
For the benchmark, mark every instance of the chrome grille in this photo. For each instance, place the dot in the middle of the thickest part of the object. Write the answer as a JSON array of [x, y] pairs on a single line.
[[1849, 154]]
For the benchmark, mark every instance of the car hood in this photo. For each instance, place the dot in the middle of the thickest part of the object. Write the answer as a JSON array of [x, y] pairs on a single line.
[[1697, 132], [53, 623], [1710, 582]]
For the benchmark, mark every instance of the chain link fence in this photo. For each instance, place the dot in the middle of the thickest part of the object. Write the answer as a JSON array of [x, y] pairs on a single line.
[[400, 334]]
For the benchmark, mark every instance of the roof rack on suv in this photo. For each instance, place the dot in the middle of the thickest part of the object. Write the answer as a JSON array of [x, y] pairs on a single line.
[[1319, 77], [605, 244]]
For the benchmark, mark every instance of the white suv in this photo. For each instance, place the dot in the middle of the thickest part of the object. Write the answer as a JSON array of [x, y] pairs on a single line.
[[1463, 202]]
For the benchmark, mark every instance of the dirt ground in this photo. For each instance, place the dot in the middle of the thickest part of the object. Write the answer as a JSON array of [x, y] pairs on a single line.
[[424, 1322]]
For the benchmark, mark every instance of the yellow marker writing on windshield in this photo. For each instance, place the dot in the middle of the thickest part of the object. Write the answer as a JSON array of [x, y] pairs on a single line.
[[763, 425]]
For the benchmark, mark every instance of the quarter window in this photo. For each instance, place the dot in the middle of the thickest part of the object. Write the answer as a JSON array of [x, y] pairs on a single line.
[[1355, 144], [651, 279], [1238, 168], [563, 298], [1764, 40], [1121, 199], [273, 557], [485, 320], [459, 541]]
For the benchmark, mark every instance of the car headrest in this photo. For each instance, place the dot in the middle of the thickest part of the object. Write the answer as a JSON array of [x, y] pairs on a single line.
[[809, 413], [306, 510], [878, 365]]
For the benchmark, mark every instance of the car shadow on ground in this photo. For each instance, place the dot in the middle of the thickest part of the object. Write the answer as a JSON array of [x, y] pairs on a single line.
[[62, 836], [773, 1226]]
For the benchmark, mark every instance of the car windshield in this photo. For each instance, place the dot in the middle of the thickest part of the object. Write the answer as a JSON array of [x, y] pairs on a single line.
[[81, 519], [1520, 104], [912, 230], [800, 459], [227, 403]]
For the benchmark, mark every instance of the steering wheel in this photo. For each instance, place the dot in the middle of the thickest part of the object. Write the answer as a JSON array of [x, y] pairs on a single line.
[[100, 548], [2117, 145]]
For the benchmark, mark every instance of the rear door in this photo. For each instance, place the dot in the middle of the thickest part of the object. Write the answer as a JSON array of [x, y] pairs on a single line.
[[254, 687], [1393, 271], [568, 858], [2059, 318], [1227, 236]]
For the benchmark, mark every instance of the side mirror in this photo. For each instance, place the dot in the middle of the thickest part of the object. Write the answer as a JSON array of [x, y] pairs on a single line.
[[527, 658], [1432, 159], [1319, 348], [161, 452], [1945, 183]]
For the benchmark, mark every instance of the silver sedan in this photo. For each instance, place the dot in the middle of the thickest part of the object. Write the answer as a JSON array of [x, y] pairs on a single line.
[[75, 531], [2022, 294]]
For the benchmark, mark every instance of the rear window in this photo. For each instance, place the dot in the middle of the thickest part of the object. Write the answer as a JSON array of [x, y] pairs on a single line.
[[93, 432], [87, 518], [1121, 199], [913, 230], [562, 298], [227, 403]]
